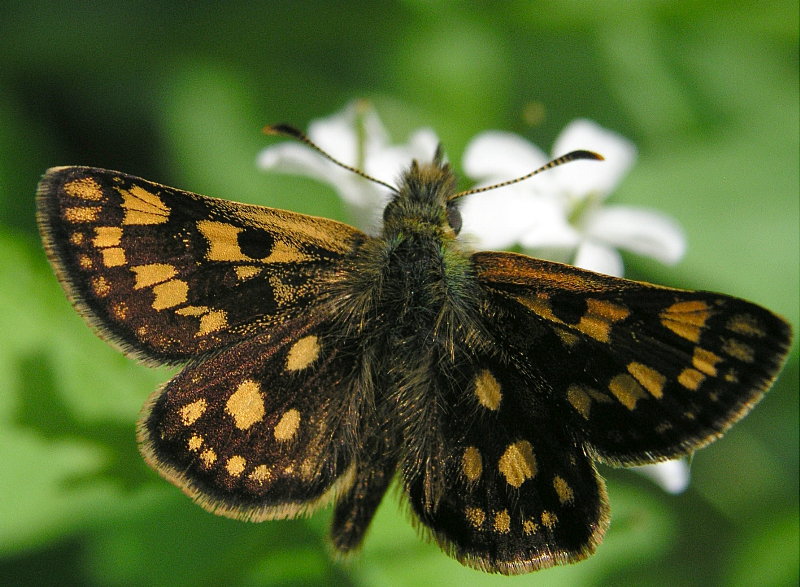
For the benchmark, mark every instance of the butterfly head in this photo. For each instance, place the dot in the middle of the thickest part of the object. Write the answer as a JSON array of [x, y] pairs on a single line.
[[422, 201]]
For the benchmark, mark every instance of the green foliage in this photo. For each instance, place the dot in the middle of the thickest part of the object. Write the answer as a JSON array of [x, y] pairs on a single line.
[[708, 91]]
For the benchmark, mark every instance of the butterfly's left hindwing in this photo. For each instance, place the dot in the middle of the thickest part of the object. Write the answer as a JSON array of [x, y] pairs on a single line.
[[170, 275], [256, 431]]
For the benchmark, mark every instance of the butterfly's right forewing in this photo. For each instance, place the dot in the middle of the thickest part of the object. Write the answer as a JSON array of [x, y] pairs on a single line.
[[637, 372]]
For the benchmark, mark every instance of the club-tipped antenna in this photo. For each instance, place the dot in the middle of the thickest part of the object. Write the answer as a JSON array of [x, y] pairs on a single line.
[[571, 156], [286, 130]]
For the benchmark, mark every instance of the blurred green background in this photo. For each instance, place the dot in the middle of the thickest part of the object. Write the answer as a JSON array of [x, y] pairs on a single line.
[[178, 92]]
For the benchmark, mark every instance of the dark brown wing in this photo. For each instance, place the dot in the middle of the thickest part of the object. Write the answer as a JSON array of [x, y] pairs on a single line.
[[638, 373], [260, 430], [519, 494], [168, 274]]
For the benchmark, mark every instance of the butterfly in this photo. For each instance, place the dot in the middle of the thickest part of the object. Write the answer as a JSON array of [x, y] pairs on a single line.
[[321, 363]]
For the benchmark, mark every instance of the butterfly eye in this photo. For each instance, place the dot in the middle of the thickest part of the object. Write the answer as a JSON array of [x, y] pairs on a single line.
[[454, 218]]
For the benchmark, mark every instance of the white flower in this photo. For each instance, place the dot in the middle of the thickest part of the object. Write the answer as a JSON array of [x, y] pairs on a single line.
[[561, 214], [356, 137]]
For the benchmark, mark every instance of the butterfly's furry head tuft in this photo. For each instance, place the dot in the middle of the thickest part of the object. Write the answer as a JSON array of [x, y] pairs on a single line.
[[420, 203]]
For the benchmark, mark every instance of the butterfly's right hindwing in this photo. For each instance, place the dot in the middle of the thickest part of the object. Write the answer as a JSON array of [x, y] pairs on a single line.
[[519, 494]]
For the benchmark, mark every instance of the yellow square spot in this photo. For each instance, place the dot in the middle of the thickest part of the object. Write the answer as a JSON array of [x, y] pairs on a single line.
[[191, 412], [142, 207], [475, 516], [579, 400], [101, 287], [303, 353], [563, 490], [472, 463], [223, 241], [195, 442], [691, 379], [213, 321], [120, 311], [170, 294], [649, 378], [705, 361], [487, 389], [235, 465], [518, 463], [246, 404], [549, 519], [529, 527], [600, 317], [151, 274], [84, 188], [107, 236], [686, 319], [626, 389], [113, 257], [81, 214], [260, 474], [502, 522], [208, 457], [746, 325], [738, 350], [287, 426]]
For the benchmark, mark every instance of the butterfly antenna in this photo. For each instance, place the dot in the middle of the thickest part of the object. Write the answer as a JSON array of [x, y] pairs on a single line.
[[571, 156], [286, 130]]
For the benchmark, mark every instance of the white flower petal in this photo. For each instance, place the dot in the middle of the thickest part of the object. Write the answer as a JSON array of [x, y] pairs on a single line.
[[580, 178], [423, 143], [642, 231], [294, 158], [498, 156], [598, 257], [376, 137], [548, 227], [388, 163], [497, 219], [671, 476], [338, 135]]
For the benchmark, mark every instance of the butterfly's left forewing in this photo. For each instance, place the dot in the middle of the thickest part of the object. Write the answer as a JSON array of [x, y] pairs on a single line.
[[170, 275]]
